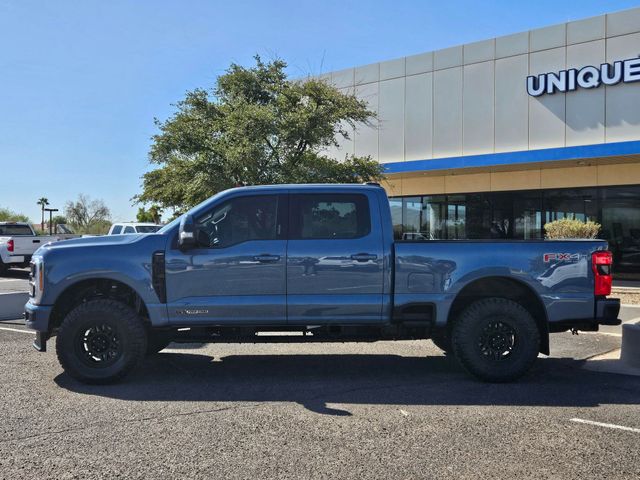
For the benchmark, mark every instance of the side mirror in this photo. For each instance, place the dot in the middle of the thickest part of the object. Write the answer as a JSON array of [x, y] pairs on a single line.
[[186, 233]]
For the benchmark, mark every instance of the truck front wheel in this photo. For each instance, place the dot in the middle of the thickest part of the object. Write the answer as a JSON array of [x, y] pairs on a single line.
[[100, 341], [496, 339]]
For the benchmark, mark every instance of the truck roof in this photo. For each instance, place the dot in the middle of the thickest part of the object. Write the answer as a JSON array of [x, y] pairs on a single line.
[[311, 186]]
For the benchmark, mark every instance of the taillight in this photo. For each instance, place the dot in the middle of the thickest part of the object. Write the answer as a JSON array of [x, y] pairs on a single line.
[[10, 245], [601, 264]]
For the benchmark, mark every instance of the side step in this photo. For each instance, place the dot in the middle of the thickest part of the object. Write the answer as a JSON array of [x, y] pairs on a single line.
[[330, 333]]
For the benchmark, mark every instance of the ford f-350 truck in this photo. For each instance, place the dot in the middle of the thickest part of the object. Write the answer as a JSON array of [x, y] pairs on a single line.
[[310, 263]]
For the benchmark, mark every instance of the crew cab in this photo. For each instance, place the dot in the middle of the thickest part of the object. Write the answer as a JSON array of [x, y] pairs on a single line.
[[18, 241], [311, 263]]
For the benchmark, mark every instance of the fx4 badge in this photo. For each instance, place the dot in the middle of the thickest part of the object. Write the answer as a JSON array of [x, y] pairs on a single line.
[[562, 257]]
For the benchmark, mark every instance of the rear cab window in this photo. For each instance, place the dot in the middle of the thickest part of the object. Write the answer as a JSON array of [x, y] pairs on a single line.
[[16, 230], [329, 216]]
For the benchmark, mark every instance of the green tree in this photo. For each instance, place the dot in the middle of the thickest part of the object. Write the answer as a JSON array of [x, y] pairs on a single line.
[[88, 216], [254, 127], [7, 215], [43, 202], [153, 215]]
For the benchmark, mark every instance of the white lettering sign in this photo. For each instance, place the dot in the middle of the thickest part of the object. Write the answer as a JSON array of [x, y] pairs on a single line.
[[625, 71]]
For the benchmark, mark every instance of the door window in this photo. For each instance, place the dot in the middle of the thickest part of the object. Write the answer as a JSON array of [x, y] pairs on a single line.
[[329, 216], [239, 220], [129, 229]]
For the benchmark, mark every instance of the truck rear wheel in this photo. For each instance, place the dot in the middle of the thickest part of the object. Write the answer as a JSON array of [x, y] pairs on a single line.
[[100, 341], [496, 340]]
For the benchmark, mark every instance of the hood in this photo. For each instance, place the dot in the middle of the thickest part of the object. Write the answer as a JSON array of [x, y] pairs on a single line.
[[101, 241]]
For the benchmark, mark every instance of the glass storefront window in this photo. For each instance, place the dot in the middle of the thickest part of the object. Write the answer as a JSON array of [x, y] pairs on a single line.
[[522, 215], [432, 226], [578, 203], [456, 217], [620, 219], [411, 212], [396, 217], [527, 215]]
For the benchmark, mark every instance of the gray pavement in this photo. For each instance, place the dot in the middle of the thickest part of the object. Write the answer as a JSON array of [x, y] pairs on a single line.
[[379, 410]]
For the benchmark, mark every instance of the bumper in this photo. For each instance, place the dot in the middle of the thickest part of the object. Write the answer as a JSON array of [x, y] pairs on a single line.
[[606, 313], [37, 318]]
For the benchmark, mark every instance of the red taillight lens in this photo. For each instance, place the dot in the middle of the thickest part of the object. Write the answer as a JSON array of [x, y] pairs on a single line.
[[601, 264], [10, 245]]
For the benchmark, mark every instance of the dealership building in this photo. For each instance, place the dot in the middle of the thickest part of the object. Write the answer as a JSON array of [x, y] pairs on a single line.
[[495, 138]]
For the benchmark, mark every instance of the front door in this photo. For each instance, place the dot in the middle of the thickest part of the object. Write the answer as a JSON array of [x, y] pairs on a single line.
[[237, 272], [334, 260]]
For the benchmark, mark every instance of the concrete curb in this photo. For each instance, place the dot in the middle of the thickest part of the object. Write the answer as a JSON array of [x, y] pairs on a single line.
[[630, 350], [12, 305], [624, 360]]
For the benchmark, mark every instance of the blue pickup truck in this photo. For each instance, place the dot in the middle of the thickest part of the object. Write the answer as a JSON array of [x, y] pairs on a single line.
[[310, 263]]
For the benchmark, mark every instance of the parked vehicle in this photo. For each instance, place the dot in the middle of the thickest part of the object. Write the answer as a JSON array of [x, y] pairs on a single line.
[[319, 261], [65, 232], [18, 241], [127, 228]]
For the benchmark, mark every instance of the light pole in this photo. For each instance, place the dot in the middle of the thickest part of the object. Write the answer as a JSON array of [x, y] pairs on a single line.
[[50, 210]]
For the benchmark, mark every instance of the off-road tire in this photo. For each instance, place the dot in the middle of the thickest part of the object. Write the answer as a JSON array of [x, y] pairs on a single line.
[[124, 329], [470, 344], [442, 340]]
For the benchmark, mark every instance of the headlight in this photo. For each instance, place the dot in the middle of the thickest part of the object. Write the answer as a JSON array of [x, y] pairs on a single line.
[[36, 280]]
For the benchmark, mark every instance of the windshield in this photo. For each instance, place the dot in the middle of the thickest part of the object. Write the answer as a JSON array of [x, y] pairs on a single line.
[[176, 221], [16, 230], [170, 225], [147, 228]]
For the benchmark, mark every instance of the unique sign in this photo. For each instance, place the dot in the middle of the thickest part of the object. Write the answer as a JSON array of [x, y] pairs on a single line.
[[624, 71]]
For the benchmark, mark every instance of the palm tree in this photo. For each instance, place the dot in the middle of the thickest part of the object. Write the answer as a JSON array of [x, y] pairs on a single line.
[[43, 202]]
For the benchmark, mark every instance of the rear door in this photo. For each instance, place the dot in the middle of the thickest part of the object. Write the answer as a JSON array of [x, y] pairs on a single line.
[[334, 259]]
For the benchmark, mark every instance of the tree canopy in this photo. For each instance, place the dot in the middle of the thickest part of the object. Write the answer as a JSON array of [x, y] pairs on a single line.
[[7, 215], [88, 216], [255, 126]]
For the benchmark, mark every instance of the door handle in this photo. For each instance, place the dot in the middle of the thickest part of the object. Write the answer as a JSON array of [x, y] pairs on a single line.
[[266, 258], [363, 257]]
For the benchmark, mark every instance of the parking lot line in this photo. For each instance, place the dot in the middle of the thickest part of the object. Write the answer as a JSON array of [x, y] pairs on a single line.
[[606, 425], [16, 330]]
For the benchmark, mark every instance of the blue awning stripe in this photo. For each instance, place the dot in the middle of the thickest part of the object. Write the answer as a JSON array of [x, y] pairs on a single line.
[[514, 158]]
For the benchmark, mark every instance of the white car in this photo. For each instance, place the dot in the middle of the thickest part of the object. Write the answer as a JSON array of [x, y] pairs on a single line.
[[126, 228], [18, 242]]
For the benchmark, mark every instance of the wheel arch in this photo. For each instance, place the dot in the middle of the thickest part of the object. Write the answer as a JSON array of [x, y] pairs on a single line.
[[503, 287], [92, 288]]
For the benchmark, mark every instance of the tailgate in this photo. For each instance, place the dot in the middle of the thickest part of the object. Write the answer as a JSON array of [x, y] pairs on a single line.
[[28, 245]]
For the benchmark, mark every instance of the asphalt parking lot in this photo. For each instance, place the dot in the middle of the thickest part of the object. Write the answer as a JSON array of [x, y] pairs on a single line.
[[380, 410]]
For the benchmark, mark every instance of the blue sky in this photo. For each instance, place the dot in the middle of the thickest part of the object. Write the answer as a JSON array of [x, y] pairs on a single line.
[[81, 81]]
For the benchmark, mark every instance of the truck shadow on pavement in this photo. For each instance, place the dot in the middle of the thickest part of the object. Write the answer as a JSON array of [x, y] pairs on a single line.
[[319, 381], [21, 274]]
